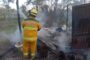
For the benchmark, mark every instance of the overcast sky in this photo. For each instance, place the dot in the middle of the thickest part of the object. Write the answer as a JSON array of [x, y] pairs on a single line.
[[13, 5], [21, 2]]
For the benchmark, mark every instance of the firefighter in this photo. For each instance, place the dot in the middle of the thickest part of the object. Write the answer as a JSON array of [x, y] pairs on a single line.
[[30, 34]]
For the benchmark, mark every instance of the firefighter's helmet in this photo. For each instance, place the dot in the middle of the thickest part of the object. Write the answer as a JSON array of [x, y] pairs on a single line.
[[33, 11]]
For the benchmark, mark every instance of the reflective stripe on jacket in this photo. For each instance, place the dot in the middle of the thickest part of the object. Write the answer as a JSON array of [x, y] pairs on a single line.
[[30, 30], [30, 38]]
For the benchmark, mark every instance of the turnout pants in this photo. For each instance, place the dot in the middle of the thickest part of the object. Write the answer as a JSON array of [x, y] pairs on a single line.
[[29, 48]]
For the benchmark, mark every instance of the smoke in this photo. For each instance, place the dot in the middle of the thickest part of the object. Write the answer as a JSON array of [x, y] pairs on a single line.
[[44, 36], [3, 36], [15, 37], [41, 17], [53, 38], [4, 42], [62, 41], [22, 14]]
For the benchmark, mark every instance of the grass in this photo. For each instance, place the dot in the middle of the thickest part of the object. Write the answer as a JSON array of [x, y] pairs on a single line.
[[9, 27]]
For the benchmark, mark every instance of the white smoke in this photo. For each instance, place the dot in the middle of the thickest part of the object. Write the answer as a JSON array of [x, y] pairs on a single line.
[[41, 17], [16, 37], [3, 35], [22, 14], [60, 39], [4, 42], [44, 36]]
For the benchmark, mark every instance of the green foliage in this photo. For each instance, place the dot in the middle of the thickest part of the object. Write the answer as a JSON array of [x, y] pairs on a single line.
[[8, 20]]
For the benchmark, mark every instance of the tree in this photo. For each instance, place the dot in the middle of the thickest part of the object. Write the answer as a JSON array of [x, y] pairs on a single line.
[[23, 9], [7, 2], [55, 13]]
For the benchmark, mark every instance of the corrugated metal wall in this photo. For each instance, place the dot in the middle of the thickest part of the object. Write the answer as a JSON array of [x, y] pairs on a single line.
[[81, 26]]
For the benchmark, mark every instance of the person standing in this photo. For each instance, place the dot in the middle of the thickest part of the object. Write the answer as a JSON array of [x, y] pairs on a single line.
[[30, 34]]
